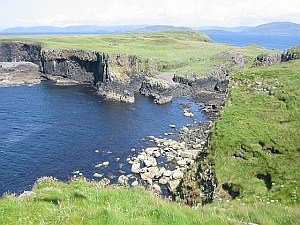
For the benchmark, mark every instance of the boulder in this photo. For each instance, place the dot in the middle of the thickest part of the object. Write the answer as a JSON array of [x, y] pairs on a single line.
[[105, 163], [150, 162], [163, 180], [123, 180], [173, 184], [97, 175], [167, 173], [150, 151], [135, 168], [146, 176], [134, 183], [156, 188], [154, 172], [177, 174]]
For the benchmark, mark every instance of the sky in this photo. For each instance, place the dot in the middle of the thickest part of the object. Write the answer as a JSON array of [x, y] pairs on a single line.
[[191, 13]]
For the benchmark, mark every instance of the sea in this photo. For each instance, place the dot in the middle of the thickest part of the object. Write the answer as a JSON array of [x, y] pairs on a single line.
[[279, 42], [60, 131], [50, 130]]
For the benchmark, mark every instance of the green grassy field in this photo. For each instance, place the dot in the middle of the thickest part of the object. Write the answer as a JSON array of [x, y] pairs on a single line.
[[185, 52], [254, 145], [81, 202]]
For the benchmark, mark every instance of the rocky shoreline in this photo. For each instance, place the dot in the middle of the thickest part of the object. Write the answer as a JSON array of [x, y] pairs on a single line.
[[19, 73], [178, 157]]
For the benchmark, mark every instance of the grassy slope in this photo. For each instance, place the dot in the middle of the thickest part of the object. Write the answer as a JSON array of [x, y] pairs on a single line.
[[183, 51], [82, 202], [253, 124]]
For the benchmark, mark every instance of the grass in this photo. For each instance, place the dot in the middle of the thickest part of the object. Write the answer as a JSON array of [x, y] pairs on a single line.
[[255, 144], [185, 52], [82, 202]]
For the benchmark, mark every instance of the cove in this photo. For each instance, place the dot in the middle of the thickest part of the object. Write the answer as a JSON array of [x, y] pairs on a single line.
[[50, 130]]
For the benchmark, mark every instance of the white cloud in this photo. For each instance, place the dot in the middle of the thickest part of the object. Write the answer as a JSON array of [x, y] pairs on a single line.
[[174, 12]]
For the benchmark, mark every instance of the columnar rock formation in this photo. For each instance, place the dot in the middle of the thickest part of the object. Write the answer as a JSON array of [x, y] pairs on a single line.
[[20, 52]]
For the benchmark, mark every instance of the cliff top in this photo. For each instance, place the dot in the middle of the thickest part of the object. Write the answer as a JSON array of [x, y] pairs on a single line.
[[181, 51]]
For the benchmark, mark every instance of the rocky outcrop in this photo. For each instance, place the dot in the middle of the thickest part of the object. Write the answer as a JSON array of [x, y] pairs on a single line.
[[160, 90], [275, 58], [79, 65], [20, 52], [19, 73], [267, 59], [291, 54]]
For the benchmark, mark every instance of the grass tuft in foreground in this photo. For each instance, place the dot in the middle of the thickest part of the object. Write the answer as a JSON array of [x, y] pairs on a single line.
[[83, 202]]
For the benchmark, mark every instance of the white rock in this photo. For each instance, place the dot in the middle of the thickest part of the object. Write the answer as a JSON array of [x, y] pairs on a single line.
[[173, 184], [150, 162], [135, 168], [167, 173], [105, 163], [147, 175], [181, 162], [163, 180], [97, 175], [154, 171], [156, 188], [134, 183], [123, 180], [161, 171], [150, 151], [177, 174], [156, 154]]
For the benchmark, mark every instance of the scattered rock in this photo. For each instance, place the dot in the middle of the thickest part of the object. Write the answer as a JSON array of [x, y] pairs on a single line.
[[123, 180], [173, 184], [105, 163], [97, 175], [135, 168], [135, 183]]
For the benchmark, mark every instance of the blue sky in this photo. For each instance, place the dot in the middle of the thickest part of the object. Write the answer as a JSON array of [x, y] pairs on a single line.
[[172, 12]]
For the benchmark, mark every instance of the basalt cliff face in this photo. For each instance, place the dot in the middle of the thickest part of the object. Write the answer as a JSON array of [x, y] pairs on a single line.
[[20, 52], [79, 65]]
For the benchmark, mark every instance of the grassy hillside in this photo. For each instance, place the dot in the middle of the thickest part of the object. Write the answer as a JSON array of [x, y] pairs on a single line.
[[255, 143], [82, 202], [183, 51]]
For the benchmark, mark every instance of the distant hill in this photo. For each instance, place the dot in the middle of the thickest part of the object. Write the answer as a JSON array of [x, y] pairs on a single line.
[[219, 29], [275, 28], [89, 29], [161, 27], [215, 31], [84, 29]]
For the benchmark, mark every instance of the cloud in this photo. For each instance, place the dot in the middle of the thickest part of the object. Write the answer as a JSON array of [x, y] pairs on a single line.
[[113, 12]]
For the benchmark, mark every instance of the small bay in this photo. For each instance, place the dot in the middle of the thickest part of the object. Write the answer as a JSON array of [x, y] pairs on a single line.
[[49, 130]]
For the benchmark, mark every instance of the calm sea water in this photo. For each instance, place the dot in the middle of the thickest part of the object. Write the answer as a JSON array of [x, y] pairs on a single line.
[[49, 130], [280, 42]]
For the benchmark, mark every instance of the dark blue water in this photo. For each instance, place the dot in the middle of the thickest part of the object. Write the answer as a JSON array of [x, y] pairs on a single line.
[[49, 130], [280, 42]]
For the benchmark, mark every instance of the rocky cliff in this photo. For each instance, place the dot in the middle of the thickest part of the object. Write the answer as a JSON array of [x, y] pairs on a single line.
[[79, 65], [291, 54], [20, 52], [274, 58]]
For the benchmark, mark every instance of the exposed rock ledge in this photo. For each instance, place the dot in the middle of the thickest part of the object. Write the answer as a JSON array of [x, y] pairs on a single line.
[[19, 73]]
